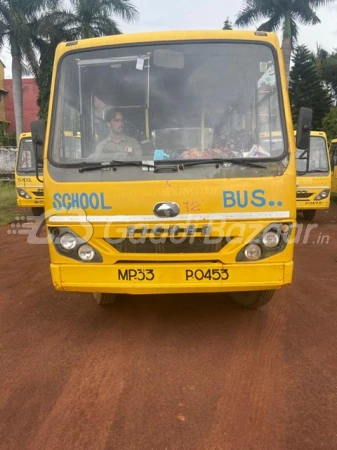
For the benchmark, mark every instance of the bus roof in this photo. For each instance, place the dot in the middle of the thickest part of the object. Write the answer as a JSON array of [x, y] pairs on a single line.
[[155, 37], [316, 134], [25, 135]]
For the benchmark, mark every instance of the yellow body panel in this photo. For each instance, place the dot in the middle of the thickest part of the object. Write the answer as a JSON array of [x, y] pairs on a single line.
[[200, 201], [29, 183], [309, 187]]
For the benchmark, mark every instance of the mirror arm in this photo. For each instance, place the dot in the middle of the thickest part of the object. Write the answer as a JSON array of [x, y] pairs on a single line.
[[36, 160]]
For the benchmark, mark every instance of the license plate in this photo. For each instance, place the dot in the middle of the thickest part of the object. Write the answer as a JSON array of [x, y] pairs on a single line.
[[207, 274], [148, 275]]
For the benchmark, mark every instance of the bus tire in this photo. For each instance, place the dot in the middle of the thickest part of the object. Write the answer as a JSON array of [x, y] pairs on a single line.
[[251, 299], [309, 214], [104, 298], [37, 211]]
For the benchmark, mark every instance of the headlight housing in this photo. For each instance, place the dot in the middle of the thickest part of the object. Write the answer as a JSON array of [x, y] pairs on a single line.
[[272, 240], [67, 243], [22, 193], [322, 195]]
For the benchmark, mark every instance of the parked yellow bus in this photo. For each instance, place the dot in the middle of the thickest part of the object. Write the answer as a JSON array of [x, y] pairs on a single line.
[[29, 189], [173, 190], [333, 161], [313, 182]]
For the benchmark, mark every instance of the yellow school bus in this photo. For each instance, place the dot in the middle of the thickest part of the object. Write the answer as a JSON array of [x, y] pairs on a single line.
[[29, 189], [173, 190], [313, 182], [333, 160]]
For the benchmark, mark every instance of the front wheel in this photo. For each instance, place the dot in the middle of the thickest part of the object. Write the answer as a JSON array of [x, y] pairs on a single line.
[[309, 214], [37, 211], [104, 298], [251, 299]]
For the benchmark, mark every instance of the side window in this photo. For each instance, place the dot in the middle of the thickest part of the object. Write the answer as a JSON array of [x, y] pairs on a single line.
[[334, 157]]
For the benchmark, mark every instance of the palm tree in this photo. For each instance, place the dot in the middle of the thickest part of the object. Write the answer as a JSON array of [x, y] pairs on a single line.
[[16, 29], [92, 18], [49, 30], [285, 13]]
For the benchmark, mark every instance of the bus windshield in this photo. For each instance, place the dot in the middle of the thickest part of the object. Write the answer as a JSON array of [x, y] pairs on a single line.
[[314, 160], [26, 157], [168, 102]]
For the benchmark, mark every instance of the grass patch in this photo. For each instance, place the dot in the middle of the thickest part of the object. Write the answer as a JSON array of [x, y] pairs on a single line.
[[8, 206], [334, 198]]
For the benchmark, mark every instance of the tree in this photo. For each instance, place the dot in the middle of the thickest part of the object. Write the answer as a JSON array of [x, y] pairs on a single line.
[[327, 63], [286, 14], [16, 28], [330, 123], [306, 87], [89, 18], [93, 18], [50, 30], [227, 25]]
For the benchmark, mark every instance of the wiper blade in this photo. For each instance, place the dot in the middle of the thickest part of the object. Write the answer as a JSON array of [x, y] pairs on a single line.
[[85, 167], [239, 162]]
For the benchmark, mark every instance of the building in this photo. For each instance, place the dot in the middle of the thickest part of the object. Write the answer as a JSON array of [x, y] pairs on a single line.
[[29, 98], [3, 93]]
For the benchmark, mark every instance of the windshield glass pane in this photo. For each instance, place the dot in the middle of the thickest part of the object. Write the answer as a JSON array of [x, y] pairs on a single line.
[[318, 156], [26, 157], [168, 102]]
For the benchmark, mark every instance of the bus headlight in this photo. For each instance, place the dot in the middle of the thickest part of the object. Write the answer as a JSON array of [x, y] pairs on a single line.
[[323, 194], [86, 252], [68, 241], [22, 193], [69, 244], [271, 239], [253, 252]]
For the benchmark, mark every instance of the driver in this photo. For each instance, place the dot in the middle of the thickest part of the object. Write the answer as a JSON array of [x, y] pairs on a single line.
[[118, 144]]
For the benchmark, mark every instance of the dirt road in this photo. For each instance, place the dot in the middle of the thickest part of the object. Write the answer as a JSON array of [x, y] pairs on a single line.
[[164, 372]]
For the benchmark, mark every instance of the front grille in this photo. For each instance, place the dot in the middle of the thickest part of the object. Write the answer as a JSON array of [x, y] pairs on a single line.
[[303, 194], [38, 194], [195, 245]]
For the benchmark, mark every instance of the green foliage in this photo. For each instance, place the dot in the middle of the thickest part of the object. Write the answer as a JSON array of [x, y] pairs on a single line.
[[306, 87], [44, 83], [330, 123], [7, 139], [95, 17], [86, 19], [329, 72], [227, 25], [8, 209], [285, 14]]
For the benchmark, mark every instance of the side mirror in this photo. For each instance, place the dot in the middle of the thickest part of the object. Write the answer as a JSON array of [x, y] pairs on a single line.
[[38, 129], [303, 128]]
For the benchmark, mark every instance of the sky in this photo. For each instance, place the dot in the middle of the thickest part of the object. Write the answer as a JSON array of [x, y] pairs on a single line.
[[181, 15]]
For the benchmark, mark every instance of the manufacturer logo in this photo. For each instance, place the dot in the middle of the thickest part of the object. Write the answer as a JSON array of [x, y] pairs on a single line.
[[166, 209]]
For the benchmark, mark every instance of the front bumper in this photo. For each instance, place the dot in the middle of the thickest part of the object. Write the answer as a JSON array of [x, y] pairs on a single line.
[[312, 204], [168, 278], [30, 203]]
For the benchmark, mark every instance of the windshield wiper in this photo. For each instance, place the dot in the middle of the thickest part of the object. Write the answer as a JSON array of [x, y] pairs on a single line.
[[239, 162], [87, 166]]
